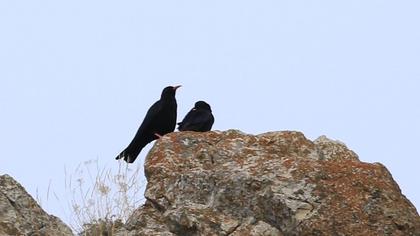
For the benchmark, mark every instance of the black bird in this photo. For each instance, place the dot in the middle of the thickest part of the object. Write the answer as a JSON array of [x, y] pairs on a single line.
[[159, 120], [199, 119]]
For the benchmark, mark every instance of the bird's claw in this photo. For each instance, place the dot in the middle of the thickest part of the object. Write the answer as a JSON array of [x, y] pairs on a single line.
[[158, 135]]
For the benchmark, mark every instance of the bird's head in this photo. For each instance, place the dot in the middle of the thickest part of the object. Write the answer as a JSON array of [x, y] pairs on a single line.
[[202, 105], [169, 91]]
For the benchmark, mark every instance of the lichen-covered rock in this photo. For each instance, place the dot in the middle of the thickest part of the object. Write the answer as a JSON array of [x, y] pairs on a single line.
[[277, 183], [21, 215]]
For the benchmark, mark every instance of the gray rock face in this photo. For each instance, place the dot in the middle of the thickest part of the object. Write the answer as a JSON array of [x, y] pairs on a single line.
[[21, 215], [277, 183]]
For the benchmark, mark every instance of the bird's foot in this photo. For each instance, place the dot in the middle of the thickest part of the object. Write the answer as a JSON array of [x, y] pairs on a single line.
[[158, 135]]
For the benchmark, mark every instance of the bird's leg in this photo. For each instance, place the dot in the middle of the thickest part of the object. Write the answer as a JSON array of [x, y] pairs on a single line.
[[158, 135]]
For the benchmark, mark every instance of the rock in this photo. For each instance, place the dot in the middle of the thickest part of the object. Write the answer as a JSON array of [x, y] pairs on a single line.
[[21, 215], [277, 183]]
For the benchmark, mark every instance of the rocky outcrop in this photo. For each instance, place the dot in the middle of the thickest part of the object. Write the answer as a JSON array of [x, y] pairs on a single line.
[[277, 183], [231, 183], [21, 215]]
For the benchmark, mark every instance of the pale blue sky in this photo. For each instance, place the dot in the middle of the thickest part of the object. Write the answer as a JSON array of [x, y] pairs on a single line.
[[77, 77]]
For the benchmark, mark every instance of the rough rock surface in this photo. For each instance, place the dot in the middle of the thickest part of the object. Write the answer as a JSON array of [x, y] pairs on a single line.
[[21, 215], [277, 183]]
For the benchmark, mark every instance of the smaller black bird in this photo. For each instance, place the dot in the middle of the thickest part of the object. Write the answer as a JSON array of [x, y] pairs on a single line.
[[199, 119], [159, 120]]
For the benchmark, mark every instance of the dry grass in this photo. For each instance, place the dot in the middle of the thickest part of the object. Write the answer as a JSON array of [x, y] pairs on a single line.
[[100, 198]]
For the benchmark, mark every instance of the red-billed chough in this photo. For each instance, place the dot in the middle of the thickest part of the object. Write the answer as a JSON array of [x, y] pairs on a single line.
[[199, 119], [159, 120]]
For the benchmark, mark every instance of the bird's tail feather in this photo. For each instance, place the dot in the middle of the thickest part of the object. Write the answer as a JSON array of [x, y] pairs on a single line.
[[129, 154]]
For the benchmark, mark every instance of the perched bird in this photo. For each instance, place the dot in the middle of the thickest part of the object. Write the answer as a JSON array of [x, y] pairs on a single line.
[[199, 119], [159, 120]]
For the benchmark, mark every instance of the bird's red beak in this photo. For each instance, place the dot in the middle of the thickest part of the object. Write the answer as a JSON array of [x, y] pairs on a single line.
[[176, 87]]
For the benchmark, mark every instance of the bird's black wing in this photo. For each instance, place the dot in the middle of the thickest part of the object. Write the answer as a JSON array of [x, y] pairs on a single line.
[[151, 115], [186, 120]]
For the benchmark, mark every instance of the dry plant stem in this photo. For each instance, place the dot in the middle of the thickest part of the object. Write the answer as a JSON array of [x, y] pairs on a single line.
[[107, 196]]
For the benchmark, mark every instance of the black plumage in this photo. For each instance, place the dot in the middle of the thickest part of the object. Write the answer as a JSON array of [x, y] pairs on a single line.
[[159, 120], [199, 119]]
